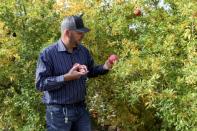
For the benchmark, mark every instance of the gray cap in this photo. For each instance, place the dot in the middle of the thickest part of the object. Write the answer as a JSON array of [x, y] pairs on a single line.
[[74, 23]]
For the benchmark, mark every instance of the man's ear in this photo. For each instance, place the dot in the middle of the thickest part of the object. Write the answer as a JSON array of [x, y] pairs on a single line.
[[66, 33]]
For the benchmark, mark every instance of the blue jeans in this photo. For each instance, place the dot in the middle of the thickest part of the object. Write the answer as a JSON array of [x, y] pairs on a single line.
[[67, 118]]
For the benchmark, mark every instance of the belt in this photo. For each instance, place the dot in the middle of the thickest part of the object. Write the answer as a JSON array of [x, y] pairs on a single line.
[[80, 103]]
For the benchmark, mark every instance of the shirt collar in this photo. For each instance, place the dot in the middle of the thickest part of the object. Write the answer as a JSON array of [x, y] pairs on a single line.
[[62, 47]]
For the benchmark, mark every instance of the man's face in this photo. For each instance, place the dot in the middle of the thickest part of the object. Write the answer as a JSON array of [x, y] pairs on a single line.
[[76, 37]]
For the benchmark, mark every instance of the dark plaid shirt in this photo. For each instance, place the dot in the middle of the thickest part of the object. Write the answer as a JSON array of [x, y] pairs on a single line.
[[53, 63]]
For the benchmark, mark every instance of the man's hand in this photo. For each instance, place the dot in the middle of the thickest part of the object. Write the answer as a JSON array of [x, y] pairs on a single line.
[[76, 72], [112, 59], [83, 69], [107, 65]]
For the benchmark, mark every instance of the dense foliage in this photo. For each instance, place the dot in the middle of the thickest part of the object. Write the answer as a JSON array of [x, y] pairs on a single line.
[[24, 30], [152, 87]]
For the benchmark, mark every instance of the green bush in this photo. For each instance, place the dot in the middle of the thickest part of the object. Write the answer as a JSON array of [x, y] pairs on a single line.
[[152, 87], [27, 27]]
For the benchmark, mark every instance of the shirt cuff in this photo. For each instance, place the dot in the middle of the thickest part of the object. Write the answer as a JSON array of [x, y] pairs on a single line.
[[60, 78], [104, 71]]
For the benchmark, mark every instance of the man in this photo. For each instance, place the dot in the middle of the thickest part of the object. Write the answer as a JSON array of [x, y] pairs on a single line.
[[61, 73]]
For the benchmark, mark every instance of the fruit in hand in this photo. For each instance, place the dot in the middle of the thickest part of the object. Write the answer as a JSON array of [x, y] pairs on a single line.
[[112, 58], [137, 12], [82, 70]]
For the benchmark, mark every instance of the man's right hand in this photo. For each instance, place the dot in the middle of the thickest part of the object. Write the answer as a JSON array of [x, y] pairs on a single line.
[[75, 73]]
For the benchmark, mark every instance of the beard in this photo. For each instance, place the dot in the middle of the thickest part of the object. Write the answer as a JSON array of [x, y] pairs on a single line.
[[75, 42]]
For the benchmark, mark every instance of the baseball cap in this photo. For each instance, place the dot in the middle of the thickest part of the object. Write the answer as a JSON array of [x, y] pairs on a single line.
[[74, 23]]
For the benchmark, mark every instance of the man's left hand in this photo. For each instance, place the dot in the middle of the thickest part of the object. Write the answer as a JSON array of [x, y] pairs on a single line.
[[107, 65]]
